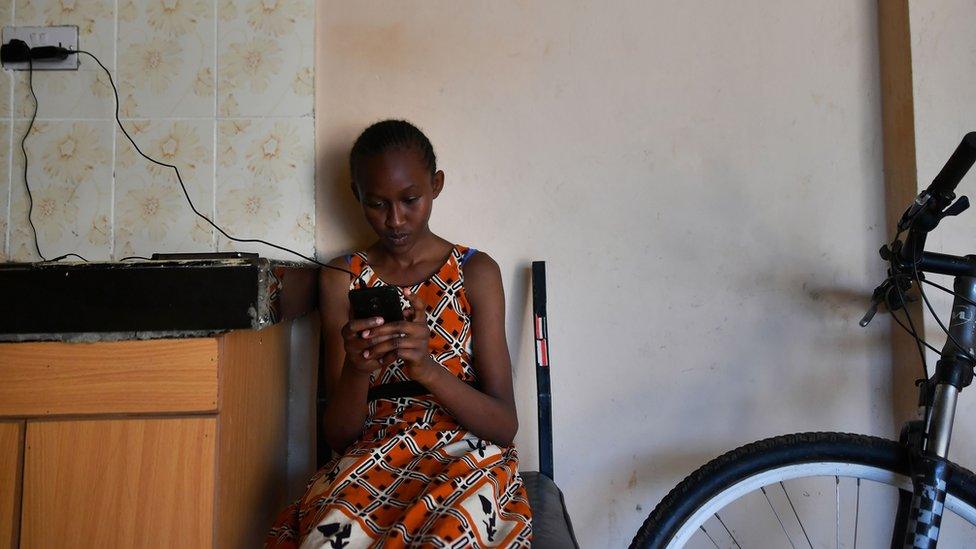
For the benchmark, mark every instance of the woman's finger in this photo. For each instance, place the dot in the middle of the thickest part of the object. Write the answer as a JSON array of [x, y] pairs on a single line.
[[383, 348], [375, 338], [397, 343], [418, 309], [390, 328], [356, 326]]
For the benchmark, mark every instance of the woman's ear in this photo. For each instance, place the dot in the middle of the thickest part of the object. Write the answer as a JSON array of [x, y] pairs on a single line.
[[437, 182], [355, 190]]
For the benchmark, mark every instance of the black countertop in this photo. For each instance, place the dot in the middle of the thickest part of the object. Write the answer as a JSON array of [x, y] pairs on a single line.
[[151, 299]]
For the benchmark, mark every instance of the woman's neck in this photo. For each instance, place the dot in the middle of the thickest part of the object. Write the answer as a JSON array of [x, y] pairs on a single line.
[[409, 265]]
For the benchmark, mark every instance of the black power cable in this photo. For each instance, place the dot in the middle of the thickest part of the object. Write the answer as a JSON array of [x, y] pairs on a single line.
[[23, 148], [62, 52]]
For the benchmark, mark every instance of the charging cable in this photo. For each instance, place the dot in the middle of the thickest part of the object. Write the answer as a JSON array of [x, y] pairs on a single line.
[[19, 51]]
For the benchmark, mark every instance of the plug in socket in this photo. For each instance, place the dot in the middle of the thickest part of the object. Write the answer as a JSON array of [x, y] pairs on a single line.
[[65, 36]]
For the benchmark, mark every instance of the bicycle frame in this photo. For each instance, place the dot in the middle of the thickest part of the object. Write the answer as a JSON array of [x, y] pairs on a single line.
[[919, 515]]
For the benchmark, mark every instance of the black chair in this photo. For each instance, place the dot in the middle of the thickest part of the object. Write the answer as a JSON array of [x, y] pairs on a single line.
[[551, 526]]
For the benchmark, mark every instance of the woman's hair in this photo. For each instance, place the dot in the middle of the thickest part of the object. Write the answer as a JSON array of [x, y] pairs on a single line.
[[391, 135]]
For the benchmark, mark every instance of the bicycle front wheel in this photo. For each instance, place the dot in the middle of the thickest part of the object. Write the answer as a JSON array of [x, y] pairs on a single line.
[[772, 493]]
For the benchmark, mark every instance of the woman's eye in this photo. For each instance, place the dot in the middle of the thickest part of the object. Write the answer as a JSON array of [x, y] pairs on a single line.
[[411, 199], [374, 205]]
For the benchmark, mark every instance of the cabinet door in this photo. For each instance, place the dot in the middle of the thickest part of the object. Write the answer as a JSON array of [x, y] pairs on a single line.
[[11, 454], [119, 483]]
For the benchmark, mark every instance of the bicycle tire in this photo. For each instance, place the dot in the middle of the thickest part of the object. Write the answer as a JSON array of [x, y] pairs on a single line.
[[779, 453]]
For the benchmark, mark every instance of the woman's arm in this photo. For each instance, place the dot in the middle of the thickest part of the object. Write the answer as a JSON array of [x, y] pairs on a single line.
[[490, 412], [345, 386]]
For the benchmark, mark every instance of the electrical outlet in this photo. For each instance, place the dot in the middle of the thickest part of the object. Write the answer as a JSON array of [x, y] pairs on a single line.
[[65, 36]]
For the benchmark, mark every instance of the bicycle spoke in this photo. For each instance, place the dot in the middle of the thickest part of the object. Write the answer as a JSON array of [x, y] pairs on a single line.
[[775, 514], [837, 511], [795, 513], [722, 522], [857, 510], [707, 535]]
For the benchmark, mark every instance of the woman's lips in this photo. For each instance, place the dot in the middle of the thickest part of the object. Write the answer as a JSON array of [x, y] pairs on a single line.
[[398, 239]]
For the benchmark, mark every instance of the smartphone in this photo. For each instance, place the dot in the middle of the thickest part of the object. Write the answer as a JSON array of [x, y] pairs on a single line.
[[381, 301]]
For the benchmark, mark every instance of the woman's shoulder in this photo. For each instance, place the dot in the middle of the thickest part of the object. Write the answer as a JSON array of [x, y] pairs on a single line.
[[477, 262], [338, 262], [339, 269], [482, 276]]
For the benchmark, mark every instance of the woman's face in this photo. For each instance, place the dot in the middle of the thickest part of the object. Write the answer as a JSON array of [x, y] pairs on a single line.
[[397, 192]]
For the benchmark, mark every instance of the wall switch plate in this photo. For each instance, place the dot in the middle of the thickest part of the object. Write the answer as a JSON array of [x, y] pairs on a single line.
[[65, 36]]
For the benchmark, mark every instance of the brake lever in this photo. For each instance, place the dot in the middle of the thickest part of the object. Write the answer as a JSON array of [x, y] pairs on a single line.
[[876, 298], [882, 295], [956, 207], [868, 316]]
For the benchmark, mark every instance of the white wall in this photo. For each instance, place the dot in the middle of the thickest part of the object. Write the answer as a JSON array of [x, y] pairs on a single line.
[[704, 180], [944, 88]]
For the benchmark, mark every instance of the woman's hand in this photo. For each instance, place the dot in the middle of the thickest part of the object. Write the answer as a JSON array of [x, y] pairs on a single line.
[[356, 341], [408, 339]]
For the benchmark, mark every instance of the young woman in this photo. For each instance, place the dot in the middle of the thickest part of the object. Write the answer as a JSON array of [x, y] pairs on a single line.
[[421, 411]]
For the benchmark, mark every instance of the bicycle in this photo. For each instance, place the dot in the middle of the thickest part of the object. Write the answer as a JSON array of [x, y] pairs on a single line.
[[915, 468]]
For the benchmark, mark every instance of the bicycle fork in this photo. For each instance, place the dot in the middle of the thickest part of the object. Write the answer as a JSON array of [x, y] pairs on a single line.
[[923, 509]]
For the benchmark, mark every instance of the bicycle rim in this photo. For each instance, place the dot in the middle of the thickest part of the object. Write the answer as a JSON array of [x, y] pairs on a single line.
[[824, 472], [880, 475]]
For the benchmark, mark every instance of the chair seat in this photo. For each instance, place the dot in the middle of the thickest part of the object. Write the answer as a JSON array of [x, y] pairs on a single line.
[[551, 526]]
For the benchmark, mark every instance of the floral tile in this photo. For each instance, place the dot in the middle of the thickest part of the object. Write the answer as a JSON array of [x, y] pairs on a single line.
[[6, 83], [166, 58], [84, 93], [95, 20], [70, 175], [6, 86], [151, 211], [265, 184], [265, 57], [4, 184], [64, 94]]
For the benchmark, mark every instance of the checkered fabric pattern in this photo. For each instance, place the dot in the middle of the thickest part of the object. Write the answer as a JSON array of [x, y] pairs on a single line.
[[928, 504], [415, 477], [448, 315]]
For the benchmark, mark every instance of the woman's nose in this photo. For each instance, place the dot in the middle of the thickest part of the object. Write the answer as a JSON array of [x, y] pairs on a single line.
[[394, 218]]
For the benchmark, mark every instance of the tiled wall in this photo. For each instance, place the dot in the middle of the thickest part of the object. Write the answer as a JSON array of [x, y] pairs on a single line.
[[221, 88]]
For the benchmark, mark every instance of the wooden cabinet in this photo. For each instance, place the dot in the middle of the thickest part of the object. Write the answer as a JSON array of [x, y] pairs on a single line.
[[156, 443], [119, 483], [11, 467]]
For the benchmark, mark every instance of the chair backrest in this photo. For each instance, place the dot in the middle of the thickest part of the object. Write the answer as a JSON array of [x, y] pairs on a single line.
[[543, 389]]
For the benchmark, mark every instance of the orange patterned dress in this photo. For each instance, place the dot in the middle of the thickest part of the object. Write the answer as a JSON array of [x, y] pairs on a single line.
[[415, 477]]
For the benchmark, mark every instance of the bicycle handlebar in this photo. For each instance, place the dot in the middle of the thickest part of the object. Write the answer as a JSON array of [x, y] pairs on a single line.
[[951, 265], [955, 168], [933, 204], [923, 215]]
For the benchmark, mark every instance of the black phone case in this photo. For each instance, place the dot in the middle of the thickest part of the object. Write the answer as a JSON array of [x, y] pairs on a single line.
[[381, 301]]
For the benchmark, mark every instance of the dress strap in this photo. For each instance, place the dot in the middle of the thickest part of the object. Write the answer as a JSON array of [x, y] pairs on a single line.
[[467, 255], [360, 269]]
